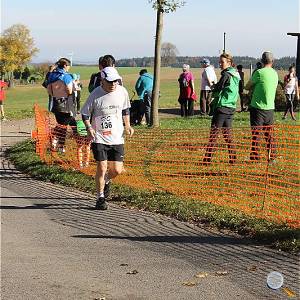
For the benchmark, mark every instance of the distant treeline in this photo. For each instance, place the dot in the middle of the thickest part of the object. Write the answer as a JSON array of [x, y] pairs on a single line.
[[194, 62]]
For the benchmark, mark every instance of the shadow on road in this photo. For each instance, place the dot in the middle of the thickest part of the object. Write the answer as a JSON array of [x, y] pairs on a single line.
[[247, 264], [222, 240]]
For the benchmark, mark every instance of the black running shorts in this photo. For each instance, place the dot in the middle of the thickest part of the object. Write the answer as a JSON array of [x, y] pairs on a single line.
[[261, 117], [108, 152]]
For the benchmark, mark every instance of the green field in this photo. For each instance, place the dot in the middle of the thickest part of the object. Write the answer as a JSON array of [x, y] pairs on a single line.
[[21, 98], [19, 104]]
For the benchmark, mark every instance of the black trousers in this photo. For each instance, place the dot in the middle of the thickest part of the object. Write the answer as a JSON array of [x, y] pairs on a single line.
[[78, 100], [145, 108], [205, 99], [221, 122], [186, 107], [60, 132], [289, 104]]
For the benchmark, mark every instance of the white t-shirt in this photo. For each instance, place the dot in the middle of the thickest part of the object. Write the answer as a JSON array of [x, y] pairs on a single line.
[[290, 87], [208, 74], [105, 109]]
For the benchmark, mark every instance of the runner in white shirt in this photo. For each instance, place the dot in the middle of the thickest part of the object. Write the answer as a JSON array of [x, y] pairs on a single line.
[[103, 114]]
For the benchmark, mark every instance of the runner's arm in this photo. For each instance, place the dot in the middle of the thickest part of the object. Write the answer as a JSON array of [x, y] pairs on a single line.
[[90, 130], [86, 113], [126, 118], [297, 89]]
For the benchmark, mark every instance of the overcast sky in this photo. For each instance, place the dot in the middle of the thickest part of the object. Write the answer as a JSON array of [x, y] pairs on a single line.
[[126, 28]]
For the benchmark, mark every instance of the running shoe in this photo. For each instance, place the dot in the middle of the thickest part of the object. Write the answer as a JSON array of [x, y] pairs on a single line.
[[101, 204]]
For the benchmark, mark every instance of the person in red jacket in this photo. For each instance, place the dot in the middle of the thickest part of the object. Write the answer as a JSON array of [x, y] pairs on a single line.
[[187, 94], [3, 85]]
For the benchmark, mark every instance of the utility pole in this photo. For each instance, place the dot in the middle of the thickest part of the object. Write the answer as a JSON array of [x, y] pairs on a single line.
[[224, 42], [71, 58], [297, 34]]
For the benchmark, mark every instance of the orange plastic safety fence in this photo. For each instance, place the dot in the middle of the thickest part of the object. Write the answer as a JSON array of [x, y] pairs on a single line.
[[256, 171]]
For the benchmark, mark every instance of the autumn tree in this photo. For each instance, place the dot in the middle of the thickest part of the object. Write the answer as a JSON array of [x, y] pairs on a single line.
[[17, 49], [168, 54], [161, 7], [41, 69]]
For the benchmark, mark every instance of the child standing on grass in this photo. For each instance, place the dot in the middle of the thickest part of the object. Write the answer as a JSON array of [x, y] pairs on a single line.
[[77, 87], [3, 85], [83, 145]]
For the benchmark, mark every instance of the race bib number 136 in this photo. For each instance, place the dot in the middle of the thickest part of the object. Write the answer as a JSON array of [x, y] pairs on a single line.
[[106, 122]]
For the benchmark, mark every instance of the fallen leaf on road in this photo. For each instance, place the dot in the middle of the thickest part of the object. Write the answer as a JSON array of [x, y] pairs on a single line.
[[189, 283], [252, 268], [132, 272], [201, 275], [221, 273], [289, 292]]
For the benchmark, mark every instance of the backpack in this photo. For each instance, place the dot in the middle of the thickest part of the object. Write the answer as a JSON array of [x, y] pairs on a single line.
[[184, 83]]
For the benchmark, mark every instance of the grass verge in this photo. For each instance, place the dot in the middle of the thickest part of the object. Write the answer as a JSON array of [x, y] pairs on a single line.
[[278, 236]]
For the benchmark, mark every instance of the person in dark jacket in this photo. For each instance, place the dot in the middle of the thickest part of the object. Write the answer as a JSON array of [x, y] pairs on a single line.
[[143, 87], [241, 86], [104, 61], [223, 105]]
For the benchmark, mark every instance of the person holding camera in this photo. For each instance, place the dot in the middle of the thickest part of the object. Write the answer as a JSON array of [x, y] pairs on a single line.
[[60, 88], [291, 91]]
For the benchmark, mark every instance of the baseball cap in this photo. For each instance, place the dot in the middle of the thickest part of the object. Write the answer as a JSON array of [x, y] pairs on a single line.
[[205, 61], [267, 57], [110, 74]]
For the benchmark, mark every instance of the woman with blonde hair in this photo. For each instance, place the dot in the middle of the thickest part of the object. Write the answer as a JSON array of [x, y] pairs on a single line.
[[225, 94]]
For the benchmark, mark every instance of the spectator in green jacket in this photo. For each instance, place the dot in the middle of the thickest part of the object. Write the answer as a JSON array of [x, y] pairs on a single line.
[[263, 84], [225, 95]]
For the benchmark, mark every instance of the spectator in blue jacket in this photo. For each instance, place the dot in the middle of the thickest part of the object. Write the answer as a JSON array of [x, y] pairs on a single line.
[[143, 87]]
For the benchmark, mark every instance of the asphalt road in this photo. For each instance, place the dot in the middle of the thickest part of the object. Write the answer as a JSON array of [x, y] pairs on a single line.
[[55, 246]]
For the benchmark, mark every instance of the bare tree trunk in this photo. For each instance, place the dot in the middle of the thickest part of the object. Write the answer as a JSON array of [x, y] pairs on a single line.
[[157, 64], [11, 83]]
